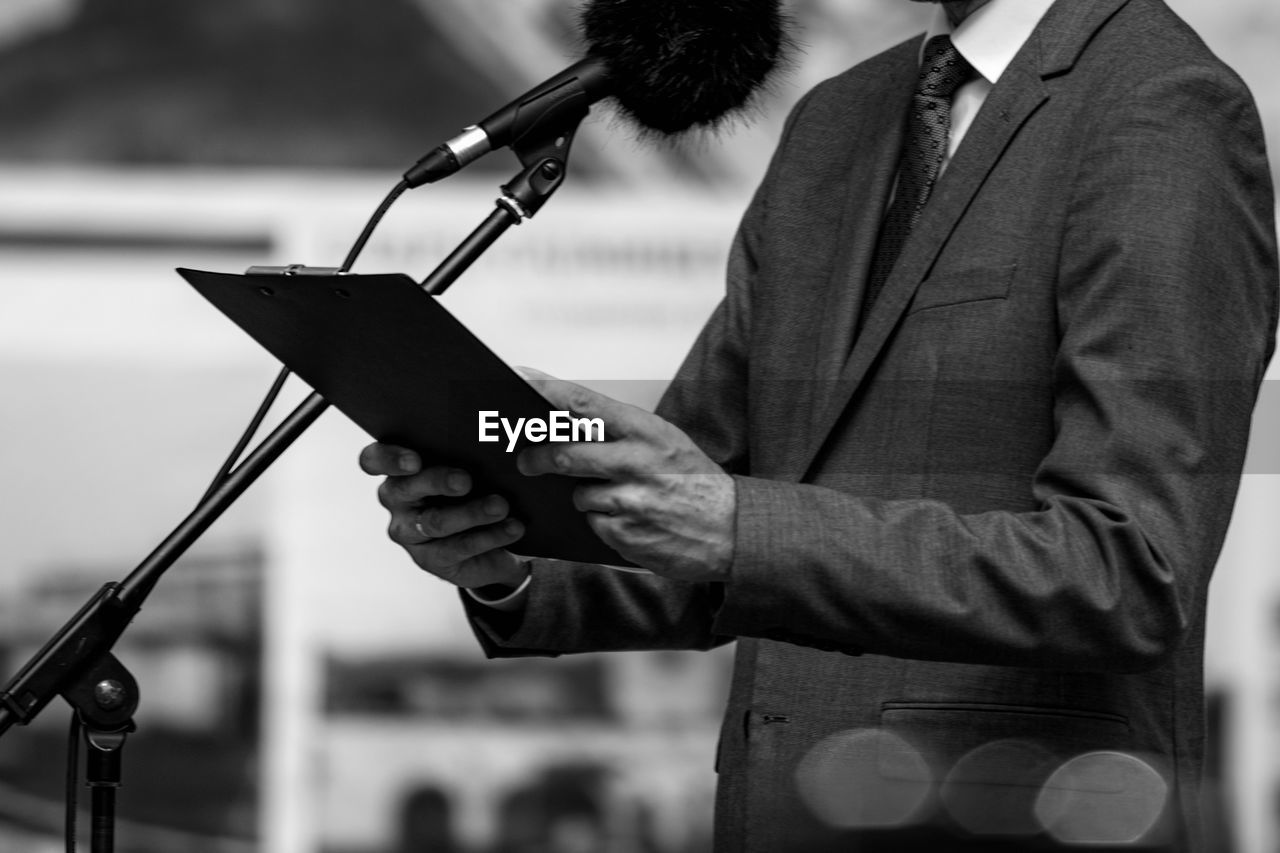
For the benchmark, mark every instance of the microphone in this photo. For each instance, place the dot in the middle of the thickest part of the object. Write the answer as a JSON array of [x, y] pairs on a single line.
[[671, 65]]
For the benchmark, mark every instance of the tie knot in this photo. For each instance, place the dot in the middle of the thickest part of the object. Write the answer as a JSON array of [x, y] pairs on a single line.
[[943, 70]]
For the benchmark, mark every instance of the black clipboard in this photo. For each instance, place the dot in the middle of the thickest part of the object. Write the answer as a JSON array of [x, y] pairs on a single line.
[[394, 360]]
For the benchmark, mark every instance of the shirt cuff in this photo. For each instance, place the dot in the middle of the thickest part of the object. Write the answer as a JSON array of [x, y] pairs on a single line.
[[512, 601]]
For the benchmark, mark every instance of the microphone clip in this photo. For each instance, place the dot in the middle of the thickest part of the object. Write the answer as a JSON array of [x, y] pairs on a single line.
[[546, 160]]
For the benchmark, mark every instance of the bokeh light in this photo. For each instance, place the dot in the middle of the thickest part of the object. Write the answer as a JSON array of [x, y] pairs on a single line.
[[1102, 798], [864, 778], [992, 790]]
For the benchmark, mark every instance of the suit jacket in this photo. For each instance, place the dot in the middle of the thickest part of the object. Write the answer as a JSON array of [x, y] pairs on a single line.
[[973, 540]]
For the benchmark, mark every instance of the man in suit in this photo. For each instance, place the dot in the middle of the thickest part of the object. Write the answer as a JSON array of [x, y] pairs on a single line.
[[953, 459]]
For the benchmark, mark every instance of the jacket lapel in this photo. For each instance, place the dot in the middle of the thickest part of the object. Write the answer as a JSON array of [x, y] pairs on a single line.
[[863, 177], [1052, 49], [872, 169]]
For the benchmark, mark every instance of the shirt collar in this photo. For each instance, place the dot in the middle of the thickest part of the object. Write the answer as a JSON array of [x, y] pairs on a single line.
[[993, 35]]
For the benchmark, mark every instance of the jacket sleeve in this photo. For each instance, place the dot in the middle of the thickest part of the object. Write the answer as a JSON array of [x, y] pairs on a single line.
[[1166, 304]]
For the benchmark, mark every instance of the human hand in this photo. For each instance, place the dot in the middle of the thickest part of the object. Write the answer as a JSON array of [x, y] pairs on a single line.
[[462, 543], [664, 504]]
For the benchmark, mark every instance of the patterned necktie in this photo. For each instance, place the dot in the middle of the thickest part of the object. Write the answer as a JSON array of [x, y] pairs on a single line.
[[942, 72]]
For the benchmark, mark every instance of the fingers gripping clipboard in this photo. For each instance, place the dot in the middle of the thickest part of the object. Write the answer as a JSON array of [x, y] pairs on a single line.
[[397, 363]]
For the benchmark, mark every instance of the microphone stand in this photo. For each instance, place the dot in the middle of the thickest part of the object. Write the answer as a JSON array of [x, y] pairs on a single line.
[[77, 663]]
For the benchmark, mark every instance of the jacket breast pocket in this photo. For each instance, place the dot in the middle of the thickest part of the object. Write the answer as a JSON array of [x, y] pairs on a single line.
[[959, 288]]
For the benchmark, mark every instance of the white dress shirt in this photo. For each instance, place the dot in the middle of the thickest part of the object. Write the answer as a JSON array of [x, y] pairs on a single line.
[[988, 39]]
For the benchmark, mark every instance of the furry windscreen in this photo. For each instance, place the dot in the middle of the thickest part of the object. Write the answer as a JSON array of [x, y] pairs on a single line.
[[678, 64]]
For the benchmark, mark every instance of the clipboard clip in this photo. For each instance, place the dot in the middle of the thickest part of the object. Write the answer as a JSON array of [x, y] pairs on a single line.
[[294, 269]]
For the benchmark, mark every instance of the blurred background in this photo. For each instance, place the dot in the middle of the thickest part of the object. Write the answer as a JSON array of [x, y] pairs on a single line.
[[305, 688]]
